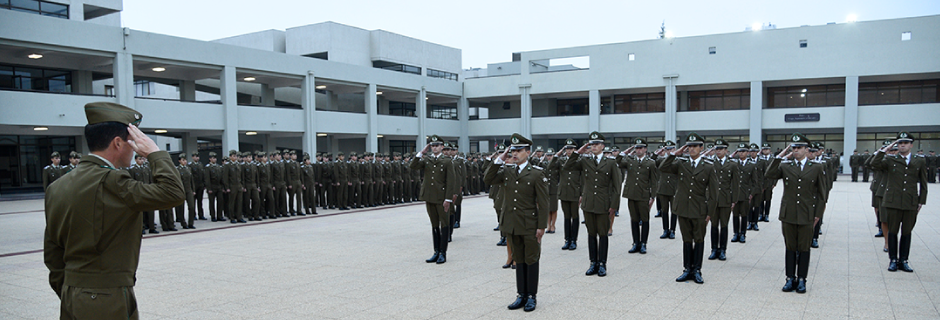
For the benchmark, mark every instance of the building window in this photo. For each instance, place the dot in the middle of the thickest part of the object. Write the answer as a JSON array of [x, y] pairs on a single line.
[[640, 103], [572, 107], [401, 146], [631, 57], [806, 96], [142, 88], [733, 99], [29, 78], [442, 112], [712, 50], [803, 43], [442, 74], [406, 109], [899, 92], [325, 55], [905, 36], [396, 67], [48, 9]]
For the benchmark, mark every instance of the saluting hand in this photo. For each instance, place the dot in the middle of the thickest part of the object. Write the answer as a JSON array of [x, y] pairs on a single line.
[[784, 153], [582, 149], [140, 142]]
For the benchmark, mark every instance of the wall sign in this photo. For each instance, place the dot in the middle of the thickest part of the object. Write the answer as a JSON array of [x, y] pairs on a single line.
[[801, 117]]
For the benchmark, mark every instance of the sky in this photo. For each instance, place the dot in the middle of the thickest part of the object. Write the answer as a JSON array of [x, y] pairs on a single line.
[[489, 31]]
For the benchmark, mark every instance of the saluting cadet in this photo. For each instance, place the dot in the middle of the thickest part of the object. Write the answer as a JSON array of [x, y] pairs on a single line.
[[695, 201], [747, 195], [199, 180], [878, 191], [642, 175], [666, 191], [525, 216], [460, 169], [279, 179], [438, 191], [407, 176], [141, 172], [378, 170], [352, 175], [905, 194], [186, 176], [816, 148], [600, 192], [93, 216], [213, 183], [51, 172], [569, 192], [295, 185], [497, 201], [801, 207], [729, 183]]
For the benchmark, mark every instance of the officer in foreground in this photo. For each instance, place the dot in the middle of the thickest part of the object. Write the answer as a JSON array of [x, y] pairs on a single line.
[[93, 216], [905, 194], [525, 215]]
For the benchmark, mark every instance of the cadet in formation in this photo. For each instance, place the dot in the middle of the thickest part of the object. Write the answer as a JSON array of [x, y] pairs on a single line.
[[438, 191], [642, 177], [569, 192]]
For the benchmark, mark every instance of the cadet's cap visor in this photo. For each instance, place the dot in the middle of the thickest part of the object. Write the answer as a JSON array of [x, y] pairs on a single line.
[[436, 143], [517, 147], [694, 143], [799, 144]]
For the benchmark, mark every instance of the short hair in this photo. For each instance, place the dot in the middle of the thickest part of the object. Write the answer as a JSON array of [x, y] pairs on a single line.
[[99, 135]]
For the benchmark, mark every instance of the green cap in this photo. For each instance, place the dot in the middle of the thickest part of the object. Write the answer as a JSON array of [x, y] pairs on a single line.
[[55, 154], [539, 148], [639, 142], [500, 148], [98, 112], [519, 142], [694, 139], [754, 147], [435, 140], [799, 140], [765, 146], [595, 137], [669, 144], [905, 136], [742, 146], [211, 154], [182, 155], [606, 149], [569, 143], [232, 152], [550, 150], [721, 143], [448, 145]]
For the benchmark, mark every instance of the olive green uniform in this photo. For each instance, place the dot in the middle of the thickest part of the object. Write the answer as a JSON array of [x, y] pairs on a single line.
[[729, 175], [213, 182], [569, 192], [440, 185], [905, 189], [696, 198], [642, 175], [803, 201], [186, 176], [232, 183], [600, 190], [199, 183]]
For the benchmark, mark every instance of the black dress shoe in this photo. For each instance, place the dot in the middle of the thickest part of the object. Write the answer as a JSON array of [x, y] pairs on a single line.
[[192, 227], [143, 231], [574, 245], [154, 231], [665, 234], [592, 270], [171, 229], [529, 304], [233, 221], [905, 266], [815, 243], [788, 287], [642, 248], [734, 238], [635, 248], [893, 265], [684, 276], [566, 246], [658, 214], [502, 242], [457, 225], [497, 228], [742, 239], [433, 258], [214, 220], [755, 227], [507, 266], [880, 234], [519, 303], [602, 269], [442, 258], [672, 234], [801, 285], [697, 277], [301, 214], [610, 234], [714, 254], [242, 221], [721, 254], [514, 266], [202, 218]]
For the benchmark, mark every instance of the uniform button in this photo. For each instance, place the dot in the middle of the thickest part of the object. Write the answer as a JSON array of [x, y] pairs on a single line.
[[797, 201]]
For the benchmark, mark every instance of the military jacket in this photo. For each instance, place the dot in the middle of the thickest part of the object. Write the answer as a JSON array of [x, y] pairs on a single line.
[[877, 185], [309, 175], [526, 201], [92, 236], [854, 160], [199, 175], [340, 172], [440, 179], [667, 181], [905, 184], [186, 177], [729, 175], [278, 174], [50, 174], [378, 170], [213, 176], [294, 175], [569, 180], [250, 174], [326, 172], [641, 178], [804, 191], [749, 179], [763, 162], [553, 173], [368, 172], [601, 181], [231, 176], [696, 187], [264, 175]]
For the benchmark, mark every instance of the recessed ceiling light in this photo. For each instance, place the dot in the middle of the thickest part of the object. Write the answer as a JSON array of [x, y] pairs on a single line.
[[249, 79], [158, 69], [159, 131], [35, 56], [379, 136], [321, 134], [40, 128], [321, 87], [250, 133], [378, 93]]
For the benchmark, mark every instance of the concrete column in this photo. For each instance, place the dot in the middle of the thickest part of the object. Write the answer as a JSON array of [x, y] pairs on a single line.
[[308, 101], [757, 110], [229, 94], [334, 145], [124, 79], [77, 10], [372, 113], [421, 104], [81, 145], [190, 143], [82, 82], [267, 95], [187, 90], [463, 116], [270, 144], [850, 142], [594, 110], [525, 121], [671, 108]]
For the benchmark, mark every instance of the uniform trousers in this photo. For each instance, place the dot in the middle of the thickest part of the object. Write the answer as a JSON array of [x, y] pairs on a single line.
[[597, 223], [296, 196], [341, 194], [198, 197], [797, 237], [571, 219], [280, 196], [719, 221], [692, 229], [742, 210], [854, 174], [665, 202], [525, 248], [181, 209], [214, 200], [98, 303], [267, 196], [902, 221], [639, 211], [148, 220], [235, 199], [253, 198]]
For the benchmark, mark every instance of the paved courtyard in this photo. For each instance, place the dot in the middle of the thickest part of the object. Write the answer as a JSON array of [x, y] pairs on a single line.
[[369, 264]]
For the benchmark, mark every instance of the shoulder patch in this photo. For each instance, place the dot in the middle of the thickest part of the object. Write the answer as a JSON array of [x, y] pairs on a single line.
[[537, 167], [683, 158], [709, 161]]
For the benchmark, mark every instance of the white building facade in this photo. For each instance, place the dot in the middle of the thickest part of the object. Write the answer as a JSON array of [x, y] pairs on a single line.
[[328, 87]]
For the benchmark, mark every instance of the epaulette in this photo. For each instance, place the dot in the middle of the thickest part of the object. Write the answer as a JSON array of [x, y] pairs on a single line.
[[786, 161], [537, 167], [683, 158], [709, 161], [47, 166], [920, 155]]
